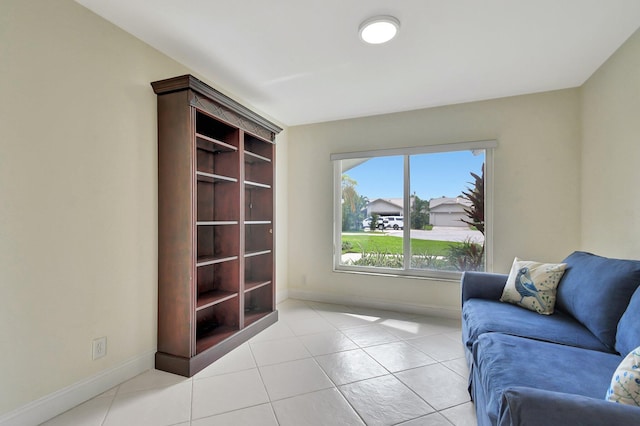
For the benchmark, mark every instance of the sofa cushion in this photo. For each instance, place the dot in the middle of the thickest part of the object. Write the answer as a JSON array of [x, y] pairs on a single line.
[[530, 407], [628, 336], [503, 361], [596, 291], [481, 316], [625, 384], [532, 285]]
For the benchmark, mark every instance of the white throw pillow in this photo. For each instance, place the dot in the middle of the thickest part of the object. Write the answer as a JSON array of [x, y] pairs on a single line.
[[625, 383], [533, 285]]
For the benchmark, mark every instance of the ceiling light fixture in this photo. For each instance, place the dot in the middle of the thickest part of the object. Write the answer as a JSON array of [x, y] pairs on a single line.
[[379, 29]]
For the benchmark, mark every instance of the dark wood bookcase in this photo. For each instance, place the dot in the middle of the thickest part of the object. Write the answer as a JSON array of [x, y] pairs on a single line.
[[216, 259]]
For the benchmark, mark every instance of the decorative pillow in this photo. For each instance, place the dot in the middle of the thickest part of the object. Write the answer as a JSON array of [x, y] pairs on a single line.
[[532, 285], [625, 384]]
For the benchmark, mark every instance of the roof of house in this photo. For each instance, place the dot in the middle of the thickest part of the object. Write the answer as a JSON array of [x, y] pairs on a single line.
[[398, 202], [435, 202]]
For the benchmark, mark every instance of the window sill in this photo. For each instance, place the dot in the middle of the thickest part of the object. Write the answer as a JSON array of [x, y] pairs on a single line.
[[452, 277]]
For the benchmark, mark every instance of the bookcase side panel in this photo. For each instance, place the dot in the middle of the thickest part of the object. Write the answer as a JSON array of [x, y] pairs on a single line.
[[175, 225]]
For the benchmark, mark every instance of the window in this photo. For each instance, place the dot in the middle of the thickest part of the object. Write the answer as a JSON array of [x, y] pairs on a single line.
[[414, 211]]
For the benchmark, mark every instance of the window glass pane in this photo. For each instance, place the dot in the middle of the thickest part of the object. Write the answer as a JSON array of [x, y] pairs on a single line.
[[372, 212], [447, 211], [438, 232]]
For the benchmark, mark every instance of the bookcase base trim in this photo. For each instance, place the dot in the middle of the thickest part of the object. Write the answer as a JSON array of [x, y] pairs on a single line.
[[188, 367]]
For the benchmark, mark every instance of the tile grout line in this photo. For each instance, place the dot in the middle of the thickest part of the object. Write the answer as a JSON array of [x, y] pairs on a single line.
[[193, 384], [230, 411], [439, 412], [335, 385], [437, 362], [389, 372], [106, 414], [363, 349], [264, 386], [350, 405]]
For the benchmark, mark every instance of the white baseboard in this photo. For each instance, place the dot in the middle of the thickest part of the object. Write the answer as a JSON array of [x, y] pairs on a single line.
[[51, 405], [436, 311], [282, 295]]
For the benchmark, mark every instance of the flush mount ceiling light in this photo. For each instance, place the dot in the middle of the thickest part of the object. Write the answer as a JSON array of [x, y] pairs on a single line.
[[379, 29]]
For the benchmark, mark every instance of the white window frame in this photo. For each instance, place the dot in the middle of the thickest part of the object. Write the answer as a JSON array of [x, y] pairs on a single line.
[[486, 145]]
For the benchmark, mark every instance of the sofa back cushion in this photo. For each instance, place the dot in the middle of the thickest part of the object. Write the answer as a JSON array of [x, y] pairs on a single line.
[[596, 291], [628, 336]]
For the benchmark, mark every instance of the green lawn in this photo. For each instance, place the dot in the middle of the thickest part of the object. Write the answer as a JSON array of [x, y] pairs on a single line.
[[390, 244]]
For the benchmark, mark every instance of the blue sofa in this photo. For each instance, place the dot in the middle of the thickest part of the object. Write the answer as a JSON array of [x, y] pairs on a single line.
[[532, 369]]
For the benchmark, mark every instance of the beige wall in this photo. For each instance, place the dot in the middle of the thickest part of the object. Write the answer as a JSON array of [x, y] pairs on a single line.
[[611, 155], [536, 190], [78, 191]]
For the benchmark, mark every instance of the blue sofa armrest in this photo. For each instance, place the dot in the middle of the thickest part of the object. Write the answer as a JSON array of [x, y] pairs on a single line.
[[482, 285], [533, 407]]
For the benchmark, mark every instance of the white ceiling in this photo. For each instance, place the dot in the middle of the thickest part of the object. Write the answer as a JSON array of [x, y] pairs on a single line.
[[301, 61]]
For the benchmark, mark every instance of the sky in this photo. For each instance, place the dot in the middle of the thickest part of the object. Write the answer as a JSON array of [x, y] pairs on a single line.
[[432, 175]]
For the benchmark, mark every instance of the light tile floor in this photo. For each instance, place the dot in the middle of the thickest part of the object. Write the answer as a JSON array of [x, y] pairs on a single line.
[[320, 364]]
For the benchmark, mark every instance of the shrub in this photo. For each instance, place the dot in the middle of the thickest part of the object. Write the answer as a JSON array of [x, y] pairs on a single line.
[[465, 256], [468, 256], [428, 261], [380, 260]]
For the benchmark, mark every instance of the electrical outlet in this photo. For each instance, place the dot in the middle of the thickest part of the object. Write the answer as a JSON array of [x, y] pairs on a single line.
[[99, 347]]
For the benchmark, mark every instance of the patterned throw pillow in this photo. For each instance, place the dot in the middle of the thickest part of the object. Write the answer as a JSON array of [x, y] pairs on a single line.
[[625, 383], [533, 285]]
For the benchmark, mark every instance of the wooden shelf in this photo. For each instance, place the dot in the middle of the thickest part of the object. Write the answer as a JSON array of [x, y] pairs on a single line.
[[257, 222], [214, 337], [216, 222], [210, 260], [251, 317], [213, 178], [253, 285], [213, 297], [213, 145], [256, 253], [251, 157], [256, 184]]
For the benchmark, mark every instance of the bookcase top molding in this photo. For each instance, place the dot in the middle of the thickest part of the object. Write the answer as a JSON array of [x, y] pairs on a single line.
[[222, 106]]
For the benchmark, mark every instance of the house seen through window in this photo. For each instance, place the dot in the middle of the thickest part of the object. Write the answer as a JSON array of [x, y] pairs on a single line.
[[411, 212]]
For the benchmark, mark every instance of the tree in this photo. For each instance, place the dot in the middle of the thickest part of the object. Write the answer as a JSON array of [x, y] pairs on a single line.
[[419, 213], [352, 205], [470, 255], [374, 221], [475, 212]]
